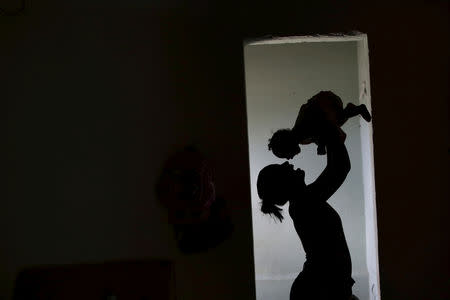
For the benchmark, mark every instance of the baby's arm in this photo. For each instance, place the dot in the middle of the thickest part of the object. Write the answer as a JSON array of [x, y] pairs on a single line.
[[321, 149], [322, 137]]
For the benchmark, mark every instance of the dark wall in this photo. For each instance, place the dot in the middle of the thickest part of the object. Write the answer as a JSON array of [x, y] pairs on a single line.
[[97, 103], [98, 96]]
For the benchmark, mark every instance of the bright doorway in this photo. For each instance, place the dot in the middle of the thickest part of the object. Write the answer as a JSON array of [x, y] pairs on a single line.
[[281, 74]]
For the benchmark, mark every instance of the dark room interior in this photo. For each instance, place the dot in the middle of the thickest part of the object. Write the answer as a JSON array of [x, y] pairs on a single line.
[[100, 94]]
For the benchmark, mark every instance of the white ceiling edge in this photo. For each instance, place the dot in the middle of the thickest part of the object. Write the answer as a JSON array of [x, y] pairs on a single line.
[[357, 36]]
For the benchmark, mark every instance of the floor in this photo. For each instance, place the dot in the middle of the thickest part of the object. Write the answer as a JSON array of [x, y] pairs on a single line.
[[279, 289]]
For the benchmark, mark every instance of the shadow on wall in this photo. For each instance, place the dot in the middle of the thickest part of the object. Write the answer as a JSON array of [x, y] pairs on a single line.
[[186, 187]]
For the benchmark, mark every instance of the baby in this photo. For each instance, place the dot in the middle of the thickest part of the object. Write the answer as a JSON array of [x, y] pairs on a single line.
[[322, 113]]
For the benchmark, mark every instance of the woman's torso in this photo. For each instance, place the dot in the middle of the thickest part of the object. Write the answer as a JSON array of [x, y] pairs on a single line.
[[321, 233]]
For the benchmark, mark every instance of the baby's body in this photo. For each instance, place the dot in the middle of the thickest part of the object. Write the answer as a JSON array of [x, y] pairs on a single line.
[[322, 112]]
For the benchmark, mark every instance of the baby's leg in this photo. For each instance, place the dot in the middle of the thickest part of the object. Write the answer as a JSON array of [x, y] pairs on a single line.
[[352, 110]]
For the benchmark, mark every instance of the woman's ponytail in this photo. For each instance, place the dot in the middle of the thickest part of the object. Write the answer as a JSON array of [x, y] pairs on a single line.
[[270, 208]]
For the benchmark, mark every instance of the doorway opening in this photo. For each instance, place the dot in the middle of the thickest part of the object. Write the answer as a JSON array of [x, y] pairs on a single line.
[[281, 74]]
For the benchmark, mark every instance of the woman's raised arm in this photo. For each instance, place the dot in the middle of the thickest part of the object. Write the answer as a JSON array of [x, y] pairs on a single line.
[[334, 174]]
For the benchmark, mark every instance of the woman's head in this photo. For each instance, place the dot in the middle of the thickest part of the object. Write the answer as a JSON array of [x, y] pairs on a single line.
[[277, 184], [283, 144]]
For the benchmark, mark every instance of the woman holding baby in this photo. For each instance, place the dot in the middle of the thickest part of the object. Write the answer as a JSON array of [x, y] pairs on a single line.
[[327, 271]]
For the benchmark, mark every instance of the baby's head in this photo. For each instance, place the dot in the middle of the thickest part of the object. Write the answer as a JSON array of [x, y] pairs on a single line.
[[284, 144]]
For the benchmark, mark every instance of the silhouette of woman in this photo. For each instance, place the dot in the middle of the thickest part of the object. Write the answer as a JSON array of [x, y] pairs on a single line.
[[327, 271]]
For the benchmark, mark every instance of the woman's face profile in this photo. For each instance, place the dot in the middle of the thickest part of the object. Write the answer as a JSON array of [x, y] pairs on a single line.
[[280, 182], [290, 179], [290, 172]]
